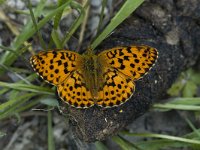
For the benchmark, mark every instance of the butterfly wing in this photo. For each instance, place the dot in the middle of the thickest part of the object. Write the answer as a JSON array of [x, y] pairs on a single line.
[[63, 69], [115, 90], [74, 91], [121, 66], [55, 66], [132, 61]]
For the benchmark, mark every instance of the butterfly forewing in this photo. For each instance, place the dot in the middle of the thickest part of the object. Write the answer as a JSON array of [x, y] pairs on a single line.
[[132, 61], [55, 66], [63, 69]]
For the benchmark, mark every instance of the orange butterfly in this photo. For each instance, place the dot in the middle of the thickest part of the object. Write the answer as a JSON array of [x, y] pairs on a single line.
[[106, 79]]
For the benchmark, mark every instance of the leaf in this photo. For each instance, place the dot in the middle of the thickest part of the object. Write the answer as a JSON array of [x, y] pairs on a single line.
[[49, 101], [190, 89]]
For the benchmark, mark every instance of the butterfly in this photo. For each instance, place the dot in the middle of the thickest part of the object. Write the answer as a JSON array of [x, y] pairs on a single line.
[[107, 79]]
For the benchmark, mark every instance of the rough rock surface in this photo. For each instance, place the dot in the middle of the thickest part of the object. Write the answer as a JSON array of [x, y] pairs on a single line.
[[173, 28]]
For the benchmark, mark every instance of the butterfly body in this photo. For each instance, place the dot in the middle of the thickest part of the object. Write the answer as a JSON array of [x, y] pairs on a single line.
[[106, 79], [92, 73]]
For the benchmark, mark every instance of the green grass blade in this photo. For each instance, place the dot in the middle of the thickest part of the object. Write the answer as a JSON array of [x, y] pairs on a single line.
[[124, 144], [51, 145], [12, 102], [25, 87], [161, 144], [56, 39], [192, 127], [49, 101], [76, 23], [100, 146], [29, 79], [2, 134], [104, 2], [8, 58], [58, 15], [54, 35], [35, 25], [189, 103], [11, 110], [28, 106], [186, 101], [128, 7], [177, 107], [167, 137]]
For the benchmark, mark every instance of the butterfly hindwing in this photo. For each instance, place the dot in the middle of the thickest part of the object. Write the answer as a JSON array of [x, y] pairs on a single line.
[[132, 61], [54, 66], [74, 91], [115, 89]]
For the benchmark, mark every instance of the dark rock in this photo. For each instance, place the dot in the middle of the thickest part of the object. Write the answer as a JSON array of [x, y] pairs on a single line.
[[173, 28]]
